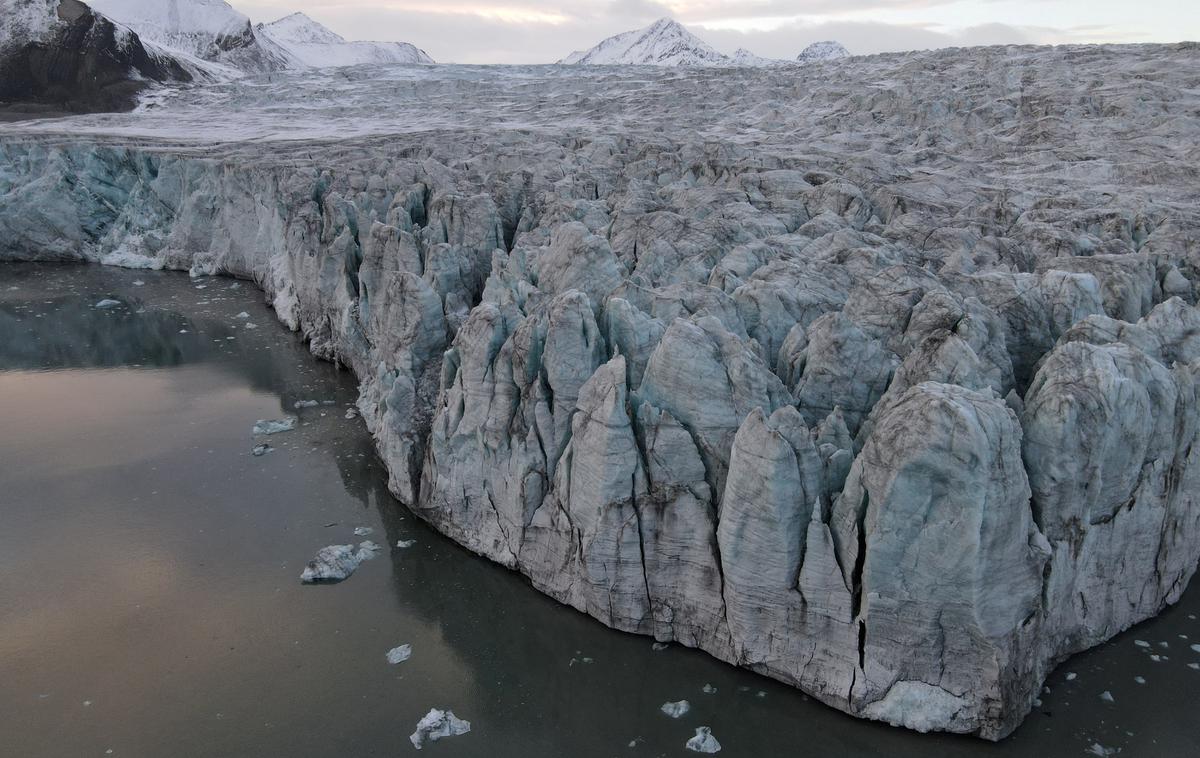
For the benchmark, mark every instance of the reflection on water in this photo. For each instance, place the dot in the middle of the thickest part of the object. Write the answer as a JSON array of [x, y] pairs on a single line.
[[150, 602]]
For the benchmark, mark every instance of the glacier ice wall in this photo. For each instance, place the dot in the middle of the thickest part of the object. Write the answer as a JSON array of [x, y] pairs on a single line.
[[902, 425]]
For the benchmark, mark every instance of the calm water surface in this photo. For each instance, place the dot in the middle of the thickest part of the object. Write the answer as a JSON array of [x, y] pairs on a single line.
[[150, 603]]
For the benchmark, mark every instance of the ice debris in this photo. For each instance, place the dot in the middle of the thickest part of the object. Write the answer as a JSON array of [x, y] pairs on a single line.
[[1107, 697], [363, 531], [405, 544], [659, 646], [275, 426], [1196, 648], [399, 654], [703, 742], [436, 725], [708, 689], [261, 450], [242, 315], [1100, 750], [305, 404], [677, 710], [108, 303], [337, 562]]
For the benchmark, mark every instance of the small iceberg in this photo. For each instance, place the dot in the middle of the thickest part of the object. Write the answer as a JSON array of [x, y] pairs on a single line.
[[708, 689], [677, 710], [405, 544], [275, 426], [436, 725], [261, 450], [703, 742], [337, 562], [399, 654], [108, 303]]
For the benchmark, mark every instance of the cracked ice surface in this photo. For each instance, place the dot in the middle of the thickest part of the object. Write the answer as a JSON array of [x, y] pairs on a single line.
[[879, 377]]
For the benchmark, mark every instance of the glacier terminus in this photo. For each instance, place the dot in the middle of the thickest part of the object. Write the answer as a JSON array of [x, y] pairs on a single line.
[[876, 375]]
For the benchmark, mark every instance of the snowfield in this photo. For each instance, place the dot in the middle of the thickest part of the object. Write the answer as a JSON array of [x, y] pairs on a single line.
[[878, 376]]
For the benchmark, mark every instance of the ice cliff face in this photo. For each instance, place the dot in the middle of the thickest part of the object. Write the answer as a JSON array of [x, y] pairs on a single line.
[[314, 45], [888, 391], [61, 55]]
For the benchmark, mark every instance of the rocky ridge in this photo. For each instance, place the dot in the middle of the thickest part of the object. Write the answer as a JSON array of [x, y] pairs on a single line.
[[880, 380]]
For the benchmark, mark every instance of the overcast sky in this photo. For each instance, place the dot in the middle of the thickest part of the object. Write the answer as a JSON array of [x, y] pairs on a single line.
[[542, 31]]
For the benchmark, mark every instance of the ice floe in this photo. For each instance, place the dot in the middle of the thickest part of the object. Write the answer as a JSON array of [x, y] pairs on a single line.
[[275, 426], [399, 654], [337, 562], [677, 710], [437, 725], [703, 742]]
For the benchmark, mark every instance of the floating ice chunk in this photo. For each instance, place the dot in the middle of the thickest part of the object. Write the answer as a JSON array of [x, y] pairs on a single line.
[[363, 531], [251, 326], [436, 725], [1100, 750], [1157, 658], [305, 404], [708, 689], [677, 710], [1141, 643], [139, 283], [1196, 648], [1071, 676], [107, 303], [263, 426], [242, 315], [405, 544], [1194, 666], [703, 742], [399, 654], [261, 450], [337, 562], [351, 414], [1107, 697], [1140, 679], [659, 646]]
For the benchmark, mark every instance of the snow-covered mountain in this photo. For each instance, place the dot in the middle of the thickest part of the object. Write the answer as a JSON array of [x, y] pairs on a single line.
[[209, 30], [827, 50], [743, 58], [315, 45], [62, 55], [663, 43]]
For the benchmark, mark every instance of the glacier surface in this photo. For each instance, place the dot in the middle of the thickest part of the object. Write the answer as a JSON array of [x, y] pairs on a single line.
[[876, 376]]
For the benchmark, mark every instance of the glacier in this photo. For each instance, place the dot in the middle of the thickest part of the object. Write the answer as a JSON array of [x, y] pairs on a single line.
[[876, 376]]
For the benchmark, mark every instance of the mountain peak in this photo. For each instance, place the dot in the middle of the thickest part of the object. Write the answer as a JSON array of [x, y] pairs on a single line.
[[666, 42], [826, 50]]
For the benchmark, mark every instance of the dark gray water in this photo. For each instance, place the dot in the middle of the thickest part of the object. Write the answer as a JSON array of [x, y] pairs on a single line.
[[150, 603]]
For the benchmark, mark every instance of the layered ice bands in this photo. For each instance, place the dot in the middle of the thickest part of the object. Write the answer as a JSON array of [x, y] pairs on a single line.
[[878, 376]]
